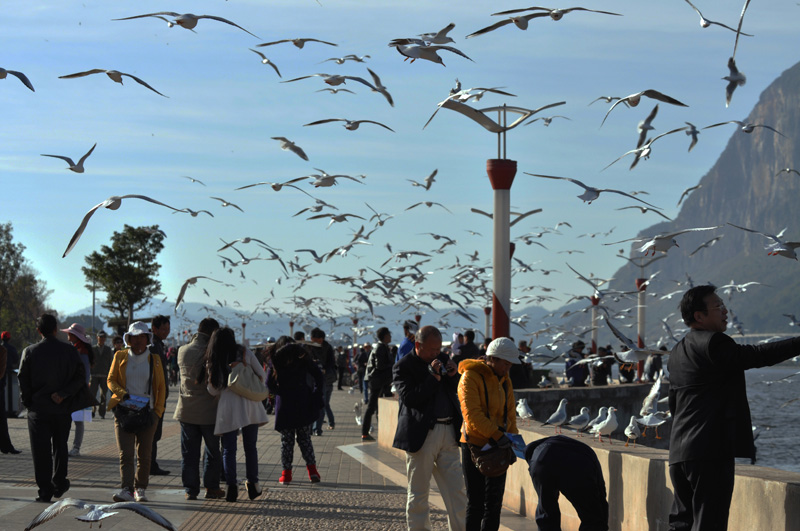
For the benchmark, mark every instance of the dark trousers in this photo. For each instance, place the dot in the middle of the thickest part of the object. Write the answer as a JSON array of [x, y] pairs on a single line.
[[5, 439], [326, 409], [156, 438], [49, 434], [100, 382], [703, 490], [484, 495], [561, 465], [192, 435], [342, 370], [372, 405]]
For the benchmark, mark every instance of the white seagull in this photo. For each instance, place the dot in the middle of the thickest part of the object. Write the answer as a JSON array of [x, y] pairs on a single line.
[[579, 422], [788, 171], [778, 247], [521, 21], [601, 416], [663, 242], [193, 179], [19, 75], [288, 145], [115, 76], [704, 22], [348, 57], [299, 43], [379, 88], [607, 426], [692, 131], [632, 431], [191, 281], [186, 20], [645, 210], [590, 193], [112, 203], [228, 203], [687, 192], [334, 80], [523, 409], [350, 125], [266, 61], [558, 418], [746, 127], [417, 49], [634, 99], [735, 79], [428, 204], [335, 218], [428, 182], [96, 513], [644, 150], [77, 168], [440, 37]]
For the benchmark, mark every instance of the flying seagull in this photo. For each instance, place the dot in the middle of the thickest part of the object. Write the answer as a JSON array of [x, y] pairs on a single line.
[[187, 20], [193, 179], [440, 37], [521, 21], [299, 43], [464, 95], [662, 242], [643, 151], [112, 203], [746, 127], [350, 125], [778, 247], [115, 76], [77, 168], [481, 117], [227, 203], [590, 193], [96, 513], [687, 192], [645, 210], [417, 49], [428, 204], [734, 79], [348, 57], [19, 75], [428, 182], [191, 281], [704, 22], [692, 132], [634, 99], [379, 88], [266, 61], [333, 79], [739, 28], [288, 145], [788, 171]]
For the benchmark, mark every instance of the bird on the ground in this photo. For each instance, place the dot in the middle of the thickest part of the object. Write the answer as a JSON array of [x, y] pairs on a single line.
[[228, 203], [357, 411], [428, 204], [112, 203], [579, 422], [558, 418], [19, 75], [778, 247], [632, 431], [350, 125], [745, 127], [417, 49], [299, 43], [735, 78], [333, 80], [379, 87], [191, 281], [288, 145], [788, 171], [114, 75], [96, 513], [607, 426], [643, 151], [427, 183], [645, 210], [193, 179], [704, 22], [634, 99], [590, 193], [439, 37], [186, 20], [521, 21], [662, 242], [266, 61], [601, 416], [77, 168]]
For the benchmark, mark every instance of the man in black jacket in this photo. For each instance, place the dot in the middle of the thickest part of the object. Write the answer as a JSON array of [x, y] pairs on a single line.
[[428, 428], [711, 416], [50, 374], [469, 350], [322, 353]]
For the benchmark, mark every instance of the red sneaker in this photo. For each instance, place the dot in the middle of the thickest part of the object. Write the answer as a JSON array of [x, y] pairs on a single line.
[[286, 477], [313, 475]]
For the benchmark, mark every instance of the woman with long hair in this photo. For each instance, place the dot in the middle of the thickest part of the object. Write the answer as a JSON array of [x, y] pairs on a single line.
[[76, 335], [234, 412], [297, 383]]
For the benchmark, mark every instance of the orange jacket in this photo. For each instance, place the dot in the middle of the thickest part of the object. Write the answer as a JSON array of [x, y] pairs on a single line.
[[482, 421]]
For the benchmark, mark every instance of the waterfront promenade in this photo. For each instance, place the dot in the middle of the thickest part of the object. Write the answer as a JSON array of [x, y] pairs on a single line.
[[362, 486]]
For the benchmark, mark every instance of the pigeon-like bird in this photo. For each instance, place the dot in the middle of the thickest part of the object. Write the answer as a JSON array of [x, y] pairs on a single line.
[[77, 168], [114, 75], [96, 513]]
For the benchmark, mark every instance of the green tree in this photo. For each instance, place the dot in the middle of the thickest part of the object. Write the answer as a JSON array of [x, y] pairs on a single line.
[[22, 295], [127, 270]]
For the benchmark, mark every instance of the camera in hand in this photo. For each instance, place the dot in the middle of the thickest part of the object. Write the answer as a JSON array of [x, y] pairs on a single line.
[[434, 370]]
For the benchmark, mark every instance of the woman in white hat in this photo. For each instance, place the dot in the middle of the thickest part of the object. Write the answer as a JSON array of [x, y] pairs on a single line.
[[136, 374], [76, 335], [488, 408]]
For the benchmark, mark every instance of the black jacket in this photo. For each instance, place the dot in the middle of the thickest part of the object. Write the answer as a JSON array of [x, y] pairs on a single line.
[[467, 351], [707, 395], [379, 366], [416, 388], [47, 367]]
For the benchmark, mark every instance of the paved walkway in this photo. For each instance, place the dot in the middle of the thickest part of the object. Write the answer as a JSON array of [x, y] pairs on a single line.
[[362, 487]]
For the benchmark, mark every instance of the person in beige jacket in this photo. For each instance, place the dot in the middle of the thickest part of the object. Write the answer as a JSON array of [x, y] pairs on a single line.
[[197, 413]]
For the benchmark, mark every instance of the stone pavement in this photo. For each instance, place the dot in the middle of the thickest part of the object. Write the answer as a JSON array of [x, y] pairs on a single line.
[[362, 487]]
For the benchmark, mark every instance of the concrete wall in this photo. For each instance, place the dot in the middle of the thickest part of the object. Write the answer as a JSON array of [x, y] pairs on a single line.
[[639, 488]]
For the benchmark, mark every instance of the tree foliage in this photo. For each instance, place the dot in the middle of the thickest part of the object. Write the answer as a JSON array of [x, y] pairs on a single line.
[[22, 294], [127, 270]]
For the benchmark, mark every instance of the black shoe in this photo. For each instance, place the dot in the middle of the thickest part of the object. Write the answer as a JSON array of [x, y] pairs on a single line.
[[233, 493], [43, 499], [367, 438], [158, 471], [253, 490], [11, 450], [59, 491]]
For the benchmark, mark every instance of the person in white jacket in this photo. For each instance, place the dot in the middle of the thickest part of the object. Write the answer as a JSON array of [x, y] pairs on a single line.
[[234, 412]]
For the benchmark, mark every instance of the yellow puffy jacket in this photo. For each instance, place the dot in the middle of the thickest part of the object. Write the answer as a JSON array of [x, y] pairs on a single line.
[[482, 421], [117, 383]]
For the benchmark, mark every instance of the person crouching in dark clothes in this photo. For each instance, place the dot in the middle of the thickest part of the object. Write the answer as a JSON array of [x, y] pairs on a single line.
[[576, 374], [601, 369], [562, 465]]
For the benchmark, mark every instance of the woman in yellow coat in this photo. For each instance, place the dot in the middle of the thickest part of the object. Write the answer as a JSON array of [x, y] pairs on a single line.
[[486, 423]]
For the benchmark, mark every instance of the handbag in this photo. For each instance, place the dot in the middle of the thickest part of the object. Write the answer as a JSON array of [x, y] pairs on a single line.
[[134, 420], [245, 382], [495, 461]]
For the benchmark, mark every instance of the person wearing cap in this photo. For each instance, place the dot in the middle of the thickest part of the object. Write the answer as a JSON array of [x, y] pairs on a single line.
[[428, 425], [136, 371], [102, 364], [577, 374], [76, 335], [407, 345], [50, 374], [486, 423]]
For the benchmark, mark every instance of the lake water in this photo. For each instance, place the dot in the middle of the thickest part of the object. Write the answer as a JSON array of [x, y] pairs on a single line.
[[780, 424]]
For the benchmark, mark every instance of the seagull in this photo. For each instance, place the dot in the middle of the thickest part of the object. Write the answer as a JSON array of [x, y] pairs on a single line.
[[227, 203], [348, 57], [607, 426], [288, 145], [333, 79], [77, 168], [357, 411], [739, 28], [558, 418], [555, 14], [692, 132], [440, 37], [745, 127], [704, 22], [601, 416], [663, 242], [335, 218], [778, 247], [335, 90], [521, 21], [686, 193], [645, 210], [193, 179], [734, 79], [247, 240], [644, 150], [607, 99], [591, 193], [96, 513], [428, 182], [709, 243], [634, 99], [645, 126], [632, 432], [19, 75], [417, 49], [350, 125], [187, 20], [266, 61], [279, 186], [788, 171], [428, 204], [115, 75], [634, 353], [194, 213], [654, 420], [579, 422], [325, 180], [523, 409], [190, 281], [112, 203], [379, 87], [650, 403], [548, 120], [299, 43]]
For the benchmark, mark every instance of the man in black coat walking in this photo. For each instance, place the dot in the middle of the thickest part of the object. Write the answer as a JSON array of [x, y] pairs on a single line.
[[711, 416]]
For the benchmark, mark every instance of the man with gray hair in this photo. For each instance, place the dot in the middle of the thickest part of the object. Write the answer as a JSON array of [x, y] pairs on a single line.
[[428, 427]]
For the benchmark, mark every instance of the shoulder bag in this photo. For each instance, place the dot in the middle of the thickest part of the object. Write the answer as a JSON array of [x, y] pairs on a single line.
[[495, 461], [133, 420], [245, 382]]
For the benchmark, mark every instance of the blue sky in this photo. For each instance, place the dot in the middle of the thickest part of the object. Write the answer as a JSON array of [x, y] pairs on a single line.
[[224, 106]]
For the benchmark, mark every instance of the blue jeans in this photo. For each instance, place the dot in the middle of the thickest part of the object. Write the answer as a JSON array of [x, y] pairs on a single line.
[[328, 391], [191, 437], [249, 438]]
